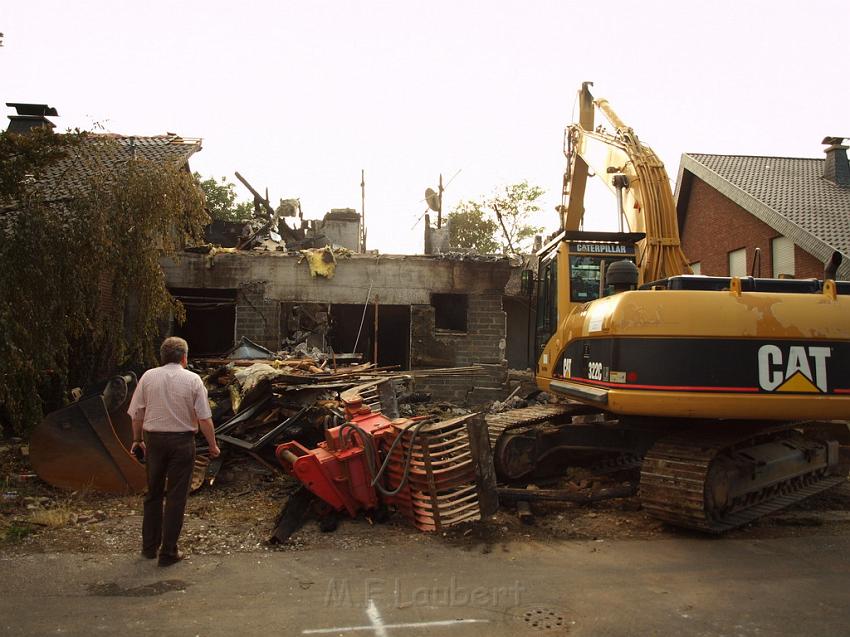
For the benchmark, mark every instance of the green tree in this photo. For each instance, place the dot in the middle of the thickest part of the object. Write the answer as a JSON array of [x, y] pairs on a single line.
[[499, 222], [470, 227], [82, 290], [221, 200]]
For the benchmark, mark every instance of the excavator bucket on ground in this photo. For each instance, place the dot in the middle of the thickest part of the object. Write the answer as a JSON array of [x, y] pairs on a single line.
[[86, 445]]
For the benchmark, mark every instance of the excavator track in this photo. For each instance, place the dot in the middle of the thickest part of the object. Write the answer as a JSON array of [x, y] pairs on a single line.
[[525, 420], [616, 463], [681, 473], [556, 413]]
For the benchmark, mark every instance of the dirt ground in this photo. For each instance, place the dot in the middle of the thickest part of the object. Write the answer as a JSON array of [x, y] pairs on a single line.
[[238, 513]]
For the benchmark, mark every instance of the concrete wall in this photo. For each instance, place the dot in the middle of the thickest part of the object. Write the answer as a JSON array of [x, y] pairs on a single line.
[[479, 388], [342, 233], [341, 227], [483, 341], [397, 280], [266, 279], [715, 225]]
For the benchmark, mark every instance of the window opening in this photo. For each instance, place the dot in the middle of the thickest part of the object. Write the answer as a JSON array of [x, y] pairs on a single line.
[[450, 311]]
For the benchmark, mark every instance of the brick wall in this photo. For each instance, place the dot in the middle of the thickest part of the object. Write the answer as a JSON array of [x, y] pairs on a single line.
[[483, 343], [257, 318], [486, 328], [715, 225]]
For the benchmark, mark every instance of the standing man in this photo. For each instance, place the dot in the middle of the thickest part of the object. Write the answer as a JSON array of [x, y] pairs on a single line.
[[167, 408]]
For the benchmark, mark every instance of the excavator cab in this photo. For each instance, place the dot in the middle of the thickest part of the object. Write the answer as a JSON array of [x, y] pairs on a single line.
[[581, 260]]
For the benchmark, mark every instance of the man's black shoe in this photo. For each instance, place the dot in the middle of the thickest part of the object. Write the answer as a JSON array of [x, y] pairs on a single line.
[[168, 560], [149, 555]]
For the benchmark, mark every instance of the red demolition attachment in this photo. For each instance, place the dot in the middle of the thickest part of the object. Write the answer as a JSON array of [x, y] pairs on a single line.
[[436, 473]]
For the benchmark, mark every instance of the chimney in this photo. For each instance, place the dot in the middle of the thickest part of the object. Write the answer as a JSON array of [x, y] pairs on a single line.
[[30, 116], [836, 167]]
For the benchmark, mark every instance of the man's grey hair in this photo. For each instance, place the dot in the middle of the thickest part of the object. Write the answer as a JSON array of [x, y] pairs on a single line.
[[173, 349]]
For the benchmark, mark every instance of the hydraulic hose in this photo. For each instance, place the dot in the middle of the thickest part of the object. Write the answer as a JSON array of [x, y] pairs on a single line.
[[377, 473]]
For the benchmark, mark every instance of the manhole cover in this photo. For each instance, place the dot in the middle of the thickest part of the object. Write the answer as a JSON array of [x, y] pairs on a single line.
[[545, 619]]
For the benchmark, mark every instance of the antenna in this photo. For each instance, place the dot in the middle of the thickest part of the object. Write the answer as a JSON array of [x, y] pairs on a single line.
[[434, 199], [362, 210]]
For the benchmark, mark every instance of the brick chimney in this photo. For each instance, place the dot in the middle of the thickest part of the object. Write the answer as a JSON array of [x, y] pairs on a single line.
[[30, 116], [836, 167]]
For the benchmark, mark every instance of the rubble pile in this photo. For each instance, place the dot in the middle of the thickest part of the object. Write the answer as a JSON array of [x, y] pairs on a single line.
[[259, 403], [301, 413], [516, 402]]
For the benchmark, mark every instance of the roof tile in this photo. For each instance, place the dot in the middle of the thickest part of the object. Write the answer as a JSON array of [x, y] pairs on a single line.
[[789, 194], [70, 175]]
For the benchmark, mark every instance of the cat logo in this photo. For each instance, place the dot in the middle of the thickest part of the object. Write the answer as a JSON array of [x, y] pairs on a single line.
[[802, 370]]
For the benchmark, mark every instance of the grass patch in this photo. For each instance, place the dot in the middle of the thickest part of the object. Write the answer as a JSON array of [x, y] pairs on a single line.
[[53, 518], [17, 532]]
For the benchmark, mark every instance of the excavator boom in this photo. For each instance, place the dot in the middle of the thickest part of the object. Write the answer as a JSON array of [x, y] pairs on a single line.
[[635, 175]]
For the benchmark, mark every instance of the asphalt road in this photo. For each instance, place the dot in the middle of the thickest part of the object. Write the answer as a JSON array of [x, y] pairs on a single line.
[[668, 586]]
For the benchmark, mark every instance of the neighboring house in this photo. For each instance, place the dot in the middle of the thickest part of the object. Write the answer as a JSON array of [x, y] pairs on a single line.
[[104, 154], [97, 155], [795, 210]]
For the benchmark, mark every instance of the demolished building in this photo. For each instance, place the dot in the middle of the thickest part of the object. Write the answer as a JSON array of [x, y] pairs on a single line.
[[408, 312]]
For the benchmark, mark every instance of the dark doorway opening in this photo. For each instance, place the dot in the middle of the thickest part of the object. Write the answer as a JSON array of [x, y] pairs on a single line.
[[518, 337], [393, 336], [210, 324]]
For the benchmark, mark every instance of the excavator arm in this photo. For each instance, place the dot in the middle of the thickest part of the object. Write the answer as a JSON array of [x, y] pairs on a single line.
[[636, 177]]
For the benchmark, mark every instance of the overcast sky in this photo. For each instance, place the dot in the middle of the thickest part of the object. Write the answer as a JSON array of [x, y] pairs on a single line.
[[299, 96]]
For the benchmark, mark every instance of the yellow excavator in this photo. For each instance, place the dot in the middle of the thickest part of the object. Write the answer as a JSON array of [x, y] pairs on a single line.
[[731, 394]]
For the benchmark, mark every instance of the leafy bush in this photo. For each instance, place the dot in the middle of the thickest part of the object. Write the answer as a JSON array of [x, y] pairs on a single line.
[[81, 290]]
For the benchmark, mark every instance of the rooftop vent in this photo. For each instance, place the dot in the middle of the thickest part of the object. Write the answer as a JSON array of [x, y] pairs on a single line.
[[30, 116], [836, 168]]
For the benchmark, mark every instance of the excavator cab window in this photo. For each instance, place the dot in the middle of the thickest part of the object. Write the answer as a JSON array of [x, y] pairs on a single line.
[[590, 254], [547, 300], [586, 272]]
